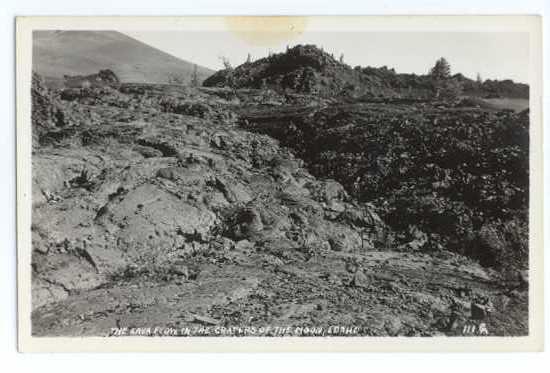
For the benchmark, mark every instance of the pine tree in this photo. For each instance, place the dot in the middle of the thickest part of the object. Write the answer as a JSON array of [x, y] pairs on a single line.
[[226, 63], [478, 79], [445, 87], [248, 58], [195, 77], [441, 69], [342, 58]]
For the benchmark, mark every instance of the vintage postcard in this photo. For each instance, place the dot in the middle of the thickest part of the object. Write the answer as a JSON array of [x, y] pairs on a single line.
[[279, 183]]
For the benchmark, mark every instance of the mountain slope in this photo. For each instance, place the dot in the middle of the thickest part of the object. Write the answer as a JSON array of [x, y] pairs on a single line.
[[58, 53]]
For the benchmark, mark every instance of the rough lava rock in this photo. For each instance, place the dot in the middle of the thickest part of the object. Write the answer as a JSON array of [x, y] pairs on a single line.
[[147, 216]]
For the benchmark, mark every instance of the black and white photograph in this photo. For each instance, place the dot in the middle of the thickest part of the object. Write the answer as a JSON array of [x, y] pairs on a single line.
[[273, 178]]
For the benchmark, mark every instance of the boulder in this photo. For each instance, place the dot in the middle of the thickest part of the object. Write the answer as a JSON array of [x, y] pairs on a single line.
[[340, 242], [232, 191], [248, 223], [360, 280], [180, 270], [480, 311], [147, 151], [326, 191]]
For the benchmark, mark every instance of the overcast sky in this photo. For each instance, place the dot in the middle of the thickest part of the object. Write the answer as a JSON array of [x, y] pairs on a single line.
[[494, 55]]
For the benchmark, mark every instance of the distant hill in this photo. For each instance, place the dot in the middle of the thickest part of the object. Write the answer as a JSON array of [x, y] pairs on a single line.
[[59, 53], [308, 69], [304, 68]]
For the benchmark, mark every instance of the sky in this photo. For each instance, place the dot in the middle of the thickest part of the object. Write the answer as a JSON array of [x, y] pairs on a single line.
[[494, 55]]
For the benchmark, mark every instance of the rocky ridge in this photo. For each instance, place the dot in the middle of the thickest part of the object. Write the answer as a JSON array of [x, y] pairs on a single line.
[[309, 69]]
